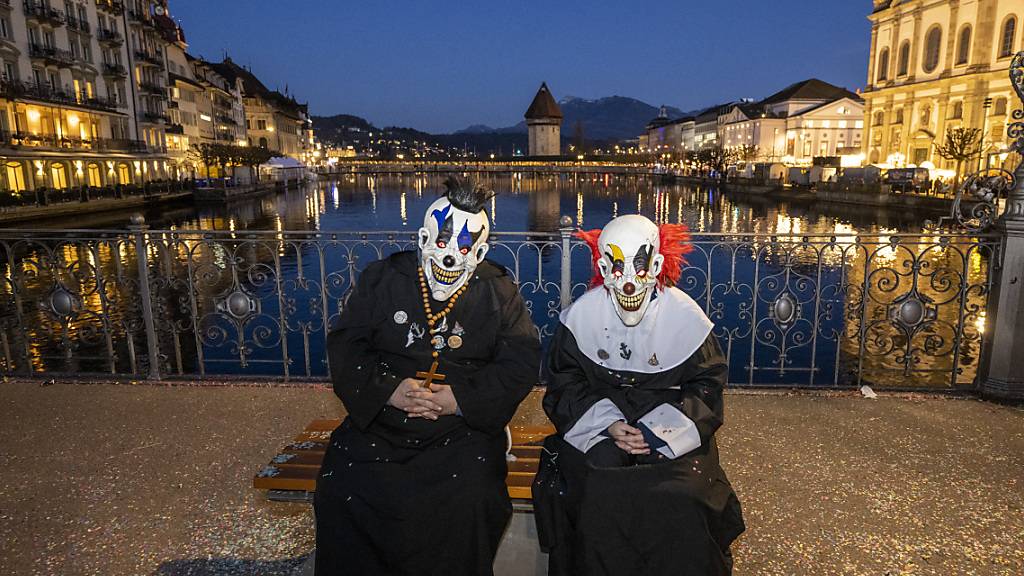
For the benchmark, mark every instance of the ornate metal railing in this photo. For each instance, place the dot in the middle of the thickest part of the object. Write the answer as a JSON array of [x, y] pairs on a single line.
[[903, 311]]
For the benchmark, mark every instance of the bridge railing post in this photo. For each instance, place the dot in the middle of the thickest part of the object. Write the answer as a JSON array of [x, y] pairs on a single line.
[[138, 228], [1002, 367], [565, 284]]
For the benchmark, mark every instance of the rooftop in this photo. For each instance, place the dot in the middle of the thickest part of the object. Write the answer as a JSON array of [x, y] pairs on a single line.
[[543, 105], [810, 89]]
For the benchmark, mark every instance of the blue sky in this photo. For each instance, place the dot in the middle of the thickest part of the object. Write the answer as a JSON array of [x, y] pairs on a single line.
[[441, 66]]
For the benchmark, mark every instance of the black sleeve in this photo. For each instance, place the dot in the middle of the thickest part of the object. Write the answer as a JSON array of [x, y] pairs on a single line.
[[705, 373], [569, 393], [489, 398], [354, 363]]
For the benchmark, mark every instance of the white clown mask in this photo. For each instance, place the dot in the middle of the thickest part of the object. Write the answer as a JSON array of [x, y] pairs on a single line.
[[453, 240], [630, 264]]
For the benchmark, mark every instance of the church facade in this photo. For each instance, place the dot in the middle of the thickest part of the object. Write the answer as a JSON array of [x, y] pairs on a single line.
[[544, 124], [936, 66]]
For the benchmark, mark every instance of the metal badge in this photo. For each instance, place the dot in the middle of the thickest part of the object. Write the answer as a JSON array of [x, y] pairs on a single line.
[[602, 354], [401, 317], [415, 333], [653, 361], [455, 342], [438, 342], [458, 330]]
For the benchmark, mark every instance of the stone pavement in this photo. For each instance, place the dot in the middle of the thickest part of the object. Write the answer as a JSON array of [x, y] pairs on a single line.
[[150, 480]]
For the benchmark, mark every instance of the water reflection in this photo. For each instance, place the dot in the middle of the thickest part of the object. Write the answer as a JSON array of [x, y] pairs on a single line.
[[801, 294]]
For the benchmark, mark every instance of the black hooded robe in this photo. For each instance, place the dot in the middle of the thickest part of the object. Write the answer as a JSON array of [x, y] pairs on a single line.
[[604, 512], [399, 495]]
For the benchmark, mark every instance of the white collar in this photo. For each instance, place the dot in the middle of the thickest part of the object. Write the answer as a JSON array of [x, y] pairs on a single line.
[[672, 329]]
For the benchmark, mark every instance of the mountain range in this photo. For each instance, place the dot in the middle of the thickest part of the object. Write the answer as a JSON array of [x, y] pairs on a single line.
[[602, 120]]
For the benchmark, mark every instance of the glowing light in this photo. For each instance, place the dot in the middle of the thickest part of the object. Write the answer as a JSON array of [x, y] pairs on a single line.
[[78, 167], [73, 120]]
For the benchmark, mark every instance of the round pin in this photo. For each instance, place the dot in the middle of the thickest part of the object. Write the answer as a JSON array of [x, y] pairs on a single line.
[[455, 342], [602, 354], [437, 341], [401, 317]]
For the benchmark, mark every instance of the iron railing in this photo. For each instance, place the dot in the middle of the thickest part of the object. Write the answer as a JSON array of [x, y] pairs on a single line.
[[899, 311]]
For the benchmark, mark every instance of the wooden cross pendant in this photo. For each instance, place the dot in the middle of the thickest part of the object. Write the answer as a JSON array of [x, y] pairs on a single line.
[[431, 375]]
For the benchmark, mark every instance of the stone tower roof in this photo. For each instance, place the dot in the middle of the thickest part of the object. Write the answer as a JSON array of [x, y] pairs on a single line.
[[543, 105]]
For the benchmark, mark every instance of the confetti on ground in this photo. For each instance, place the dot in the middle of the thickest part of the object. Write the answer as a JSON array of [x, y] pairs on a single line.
[[156, 481]]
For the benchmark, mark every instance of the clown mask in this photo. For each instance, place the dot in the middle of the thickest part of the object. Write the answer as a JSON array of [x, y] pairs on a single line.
[[630, 264], [453, 239]]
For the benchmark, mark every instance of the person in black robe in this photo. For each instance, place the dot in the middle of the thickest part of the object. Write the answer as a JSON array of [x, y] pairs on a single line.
[[413, 481], [631, 483]]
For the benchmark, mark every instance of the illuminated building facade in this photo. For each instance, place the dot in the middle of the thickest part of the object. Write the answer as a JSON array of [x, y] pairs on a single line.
[[82, 93], [935, 66]]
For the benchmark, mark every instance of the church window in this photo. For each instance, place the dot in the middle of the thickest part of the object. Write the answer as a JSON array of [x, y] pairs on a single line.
[[903, 65], [883, 65], [963, 52], [932, 47], [1009, 35]]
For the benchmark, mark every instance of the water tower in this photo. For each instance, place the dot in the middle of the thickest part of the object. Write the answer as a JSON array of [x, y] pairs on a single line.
[[544, 122]]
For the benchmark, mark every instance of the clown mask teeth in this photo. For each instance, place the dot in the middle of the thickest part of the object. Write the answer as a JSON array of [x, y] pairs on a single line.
[[446, 277], [631, 303]]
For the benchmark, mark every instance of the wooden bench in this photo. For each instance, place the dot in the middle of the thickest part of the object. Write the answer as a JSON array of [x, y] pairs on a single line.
[[291, 474]]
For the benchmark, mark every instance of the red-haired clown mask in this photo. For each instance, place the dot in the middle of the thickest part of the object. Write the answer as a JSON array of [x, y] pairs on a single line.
[[630, 263], [453, 239]]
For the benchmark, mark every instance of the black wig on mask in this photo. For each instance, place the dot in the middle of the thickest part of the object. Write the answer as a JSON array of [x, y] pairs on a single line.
[[467, 194]]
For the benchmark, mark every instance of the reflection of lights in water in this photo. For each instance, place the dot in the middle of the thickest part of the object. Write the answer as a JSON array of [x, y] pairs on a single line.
[[639, 202], [979, 322], [494, 210], [373, 202], [335, 197], [615, 210], [785, 224], [401, 209], [579, 208]]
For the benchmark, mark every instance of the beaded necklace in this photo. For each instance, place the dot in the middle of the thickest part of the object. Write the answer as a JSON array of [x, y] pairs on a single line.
[[432, 318]]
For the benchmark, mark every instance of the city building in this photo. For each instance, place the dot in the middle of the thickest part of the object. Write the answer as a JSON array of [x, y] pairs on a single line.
[[666, 135], [78, 106], [803, 121], [935, 66], [544, 124], [272, 120]]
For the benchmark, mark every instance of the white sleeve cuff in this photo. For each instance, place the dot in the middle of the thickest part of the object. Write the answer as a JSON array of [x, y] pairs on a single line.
[[671, 425], [586, 433]]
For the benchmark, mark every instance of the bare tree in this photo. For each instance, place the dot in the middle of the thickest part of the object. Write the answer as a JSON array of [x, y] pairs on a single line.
[[715, 158], [746, 153], [961, 144]]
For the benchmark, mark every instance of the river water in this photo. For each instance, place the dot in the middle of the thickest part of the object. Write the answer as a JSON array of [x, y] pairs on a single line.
[[801, 293]]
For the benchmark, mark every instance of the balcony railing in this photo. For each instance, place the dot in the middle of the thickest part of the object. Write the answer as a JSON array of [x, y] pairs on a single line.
[[75, 23], [115, 70], [42, 12], [51, 55], [894, 311], [152, 89], [225, 119], [108, 36], [115, 7], [175, 129], [45, 93], [154, 59], [156, 118], [52, 141], [5, 4]]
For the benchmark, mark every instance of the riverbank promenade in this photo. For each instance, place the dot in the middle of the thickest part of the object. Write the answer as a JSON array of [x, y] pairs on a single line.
[[156, 480]]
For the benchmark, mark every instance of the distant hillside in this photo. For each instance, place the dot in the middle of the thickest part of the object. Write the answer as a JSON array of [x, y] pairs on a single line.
[[605, 120]]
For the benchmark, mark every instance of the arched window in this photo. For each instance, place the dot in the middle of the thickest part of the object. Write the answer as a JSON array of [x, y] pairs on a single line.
[[963, 51], [1000, 107], [1009, 34], [932, 47], [903, 65], [958, 110], [899, 116], [883, 65], [263, 142], [879, 118]]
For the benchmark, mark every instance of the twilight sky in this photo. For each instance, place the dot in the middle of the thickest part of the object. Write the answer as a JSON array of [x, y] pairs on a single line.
[[441, 65]]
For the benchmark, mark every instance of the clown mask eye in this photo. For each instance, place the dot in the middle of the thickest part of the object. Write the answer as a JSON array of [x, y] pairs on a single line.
[[464, 250], [441, 243], [642, 273]]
